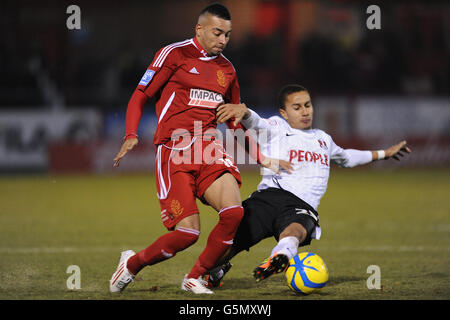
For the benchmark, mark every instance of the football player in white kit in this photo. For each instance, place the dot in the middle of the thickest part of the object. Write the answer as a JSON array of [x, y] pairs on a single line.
[[285, 204]]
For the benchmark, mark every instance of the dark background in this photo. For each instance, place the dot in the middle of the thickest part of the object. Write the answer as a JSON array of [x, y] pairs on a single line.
[[323, 45]]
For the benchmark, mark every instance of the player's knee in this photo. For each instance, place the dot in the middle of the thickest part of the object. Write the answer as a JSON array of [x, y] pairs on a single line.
[[186, 237], [191, 239], [190, 222], [294, 230], [301, 235], [231, 215]]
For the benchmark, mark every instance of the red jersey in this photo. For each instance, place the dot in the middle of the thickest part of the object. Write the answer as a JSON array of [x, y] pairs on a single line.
[[188, 86]]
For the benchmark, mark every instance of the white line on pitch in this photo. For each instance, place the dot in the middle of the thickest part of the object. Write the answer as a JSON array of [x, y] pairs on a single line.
[[381, 248]]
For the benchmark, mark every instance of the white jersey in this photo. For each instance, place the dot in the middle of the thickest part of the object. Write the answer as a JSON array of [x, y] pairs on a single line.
[[310, 151]]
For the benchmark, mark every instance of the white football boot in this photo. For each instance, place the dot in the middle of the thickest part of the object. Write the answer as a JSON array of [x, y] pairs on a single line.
[[197, 286], [122, 277]]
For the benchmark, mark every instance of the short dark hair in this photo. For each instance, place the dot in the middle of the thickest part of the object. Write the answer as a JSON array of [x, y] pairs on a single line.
[[287, 90], [218, 10]]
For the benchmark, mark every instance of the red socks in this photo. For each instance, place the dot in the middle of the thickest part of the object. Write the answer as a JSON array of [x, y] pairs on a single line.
[[163, 248], [166, 246], [220, 238]]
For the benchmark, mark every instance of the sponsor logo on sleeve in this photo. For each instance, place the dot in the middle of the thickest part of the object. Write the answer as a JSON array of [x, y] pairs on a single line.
[[147, 77]]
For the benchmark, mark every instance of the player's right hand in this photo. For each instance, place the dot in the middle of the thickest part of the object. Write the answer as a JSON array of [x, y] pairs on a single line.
[[397, 150], [126, 146], [229, 110]]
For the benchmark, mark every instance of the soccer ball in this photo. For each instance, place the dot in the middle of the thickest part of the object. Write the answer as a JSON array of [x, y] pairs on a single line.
[[306, 273]]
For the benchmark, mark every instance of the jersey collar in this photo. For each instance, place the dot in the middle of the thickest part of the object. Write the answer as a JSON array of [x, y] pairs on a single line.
[[200, 48], [291, 131], [301, 131]]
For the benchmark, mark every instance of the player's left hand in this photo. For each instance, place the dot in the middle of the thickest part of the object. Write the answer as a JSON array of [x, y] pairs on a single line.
[[397, 150], [127, 145], [228, 111]]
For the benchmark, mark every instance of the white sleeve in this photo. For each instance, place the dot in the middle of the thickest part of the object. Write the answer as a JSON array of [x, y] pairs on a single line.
[[254, 121], [349, 158]]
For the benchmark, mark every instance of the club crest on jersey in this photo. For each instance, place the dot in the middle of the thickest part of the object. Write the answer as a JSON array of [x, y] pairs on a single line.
[[323, 144], [221, 79], [205, 98], [148, 75]]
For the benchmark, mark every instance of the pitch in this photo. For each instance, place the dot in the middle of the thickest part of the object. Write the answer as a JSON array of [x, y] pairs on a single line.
[[396, 220]]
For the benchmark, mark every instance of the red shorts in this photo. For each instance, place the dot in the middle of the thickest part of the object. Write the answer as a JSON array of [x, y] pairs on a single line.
[[184, 173]]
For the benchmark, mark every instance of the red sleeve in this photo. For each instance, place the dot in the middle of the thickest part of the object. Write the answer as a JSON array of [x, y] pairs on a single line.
[[154, 78], [159, 71], [134, 113]]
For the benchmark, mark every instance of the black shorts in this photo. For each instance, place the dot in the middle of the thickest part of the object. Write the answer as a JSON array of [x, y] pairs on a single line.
[[268, 212]]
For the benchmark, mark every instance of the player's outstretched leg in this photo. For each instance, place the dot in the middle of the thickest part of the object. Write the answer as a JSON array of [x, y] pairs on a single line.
[[122, 277], [279, 258], [274, 264]]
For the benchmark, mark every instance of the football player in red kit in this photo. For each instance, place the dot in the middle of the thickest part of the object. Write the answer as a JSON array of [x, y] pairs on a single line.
[[189, 80]]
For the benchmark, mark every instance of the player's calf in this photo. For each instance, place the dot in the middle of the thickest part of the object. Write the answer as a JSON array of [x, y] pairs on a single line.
[[219, 240], [165, 247]]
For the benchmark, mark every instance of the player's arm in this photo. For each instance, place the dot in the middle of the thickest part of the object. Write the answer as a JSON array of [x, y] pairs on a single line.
[[349, 158], [152, 81], [241, 114], [232, 114], [233, 95], [251, 146], [395, 151]]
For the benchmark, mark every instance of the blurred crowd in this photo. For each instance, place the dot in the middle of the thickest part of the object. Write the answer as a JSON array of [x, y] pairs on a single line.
[[410, 55]]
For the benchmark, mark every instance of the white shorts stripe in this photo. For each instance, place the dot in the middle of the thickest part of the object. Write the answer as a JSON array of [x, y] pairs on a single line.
[[162, 187]]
